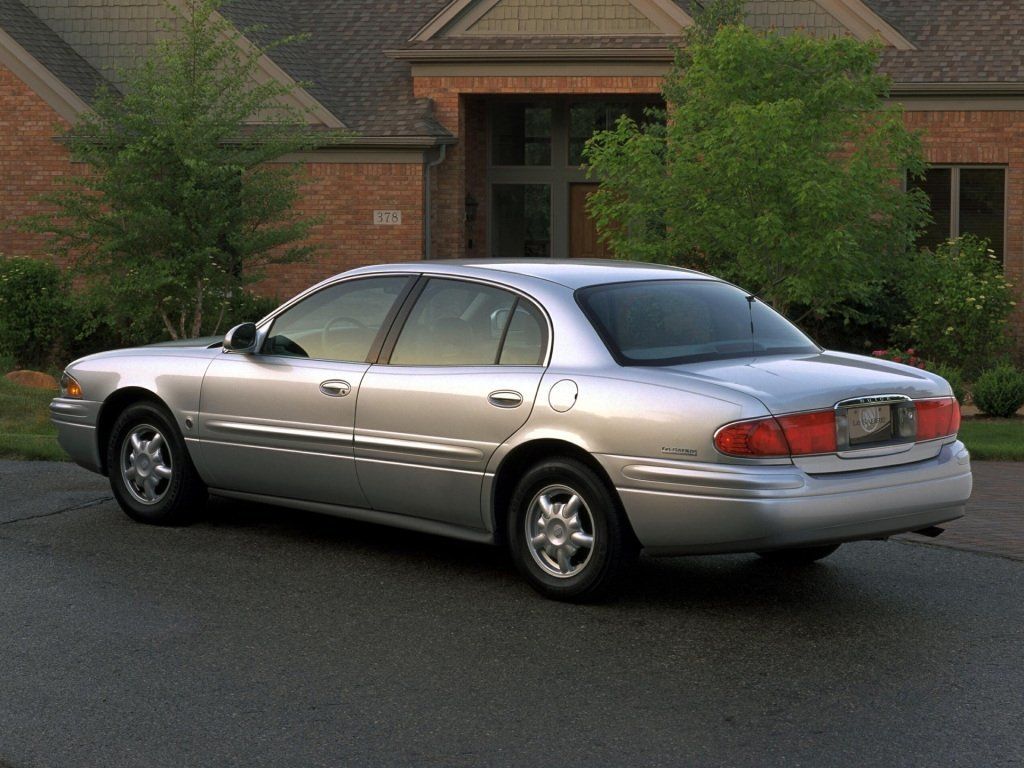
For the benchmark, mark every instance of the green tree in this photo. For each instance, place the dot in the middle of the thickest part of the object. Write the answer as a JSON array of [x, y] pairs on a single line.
[[777, 166], [180, 204]]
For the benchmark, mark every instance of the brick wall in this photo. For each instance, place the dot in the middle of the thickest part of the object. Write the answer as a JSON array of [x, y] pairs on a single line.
[[30, 161], [450, 96], [344, 196], [986, 137]]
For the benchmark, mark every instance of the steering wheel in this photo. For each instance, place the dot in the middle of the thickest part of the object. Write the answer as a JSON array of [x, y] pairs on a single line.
[[338, 321]]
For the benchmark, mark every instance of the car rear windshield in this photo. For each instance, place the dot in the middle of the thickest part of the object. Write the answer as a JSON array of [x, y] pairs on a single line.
[[665, 322]]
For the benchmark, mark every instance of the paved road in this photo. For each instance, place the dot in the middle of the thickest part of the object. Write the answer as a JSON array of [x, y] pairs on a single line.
[[266, 637]]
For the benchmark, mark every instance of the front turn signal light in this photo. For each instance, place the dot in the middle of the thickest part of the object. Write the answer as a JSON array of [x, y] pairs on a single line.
[[69, 387]]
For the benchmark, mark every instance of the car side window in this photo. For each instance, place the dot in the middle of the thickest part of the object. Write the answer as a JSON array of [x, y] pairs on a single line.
[[458, 323], [525, 338], [338, 323]]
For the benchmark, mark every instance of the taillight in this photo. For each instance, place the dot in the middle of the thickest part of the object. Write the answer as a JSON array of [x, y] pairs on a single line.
[[763, 437], [937, 418], [795, 435]]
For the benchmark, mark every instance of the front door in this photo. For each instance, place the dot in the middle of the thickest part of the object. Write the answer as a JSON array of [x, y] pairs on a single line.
[[583, 238], [279, 422], [459, 379]]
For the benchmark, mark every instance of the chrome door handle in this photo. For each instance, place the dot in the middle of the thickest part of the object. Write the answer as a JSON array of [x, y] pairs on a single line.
[[505, 398], [335, 388]]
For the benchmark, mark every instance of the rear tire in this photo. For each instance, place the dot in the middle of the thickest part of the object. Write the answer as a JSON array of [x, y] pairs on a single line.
[[798, 555], [151, 473], [566, 533]]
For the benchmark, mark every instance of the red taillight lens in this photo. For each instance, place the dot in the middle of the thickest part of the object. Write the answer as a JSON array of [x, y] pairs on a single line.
[[810, 432], [763, 437], [795, 435], [937, 418]]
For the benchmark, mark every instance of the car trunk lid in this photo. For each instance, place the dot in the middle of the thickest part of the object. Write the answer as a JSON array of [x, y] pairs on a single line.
[[869, 390]]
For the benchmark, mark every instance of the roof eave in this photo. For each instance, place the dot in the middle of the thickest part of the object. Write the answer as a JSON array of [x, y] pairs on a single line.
[[581, 55], [958, 89]]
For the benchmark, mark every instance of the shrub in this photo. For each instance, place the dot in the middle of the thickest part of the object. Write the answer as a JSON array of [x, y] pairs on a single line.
[[999, 391], [35, 312], [954, 377], [959, 303]]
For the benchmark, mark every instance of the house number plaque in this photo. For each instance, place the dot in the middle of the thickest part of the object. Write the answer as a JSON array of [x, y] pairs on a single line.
[[387, 218]]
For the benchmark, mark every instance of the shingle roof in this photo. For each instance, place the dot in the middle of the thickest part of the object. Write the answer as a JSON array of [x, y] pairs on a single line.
[[345, 64], [958, 41], [343, 59], [49, 49]]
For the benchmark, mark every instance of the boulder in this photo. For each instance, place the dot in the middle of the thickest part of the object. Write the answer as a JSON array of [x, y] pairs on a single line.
[[35, 379]]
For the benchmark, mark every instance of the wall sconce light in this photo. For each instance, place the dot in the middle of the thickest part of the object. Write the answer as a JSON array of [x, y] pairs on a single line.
[[471, 207]]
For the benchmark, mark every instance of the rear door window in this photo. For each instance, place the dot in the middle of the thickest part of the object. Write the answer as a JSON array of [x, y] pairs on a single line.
[[459, 323]]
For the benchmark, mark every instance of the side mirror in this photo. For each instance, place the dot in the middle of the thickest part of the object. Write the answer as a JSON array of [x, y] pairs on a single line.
[[241, 338]]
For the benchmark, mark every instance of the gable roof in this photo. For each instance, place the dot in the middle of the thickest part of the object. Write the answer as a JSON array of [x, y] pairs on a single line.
[[535, 17], [342, 61], [49, 50], [352, 61]]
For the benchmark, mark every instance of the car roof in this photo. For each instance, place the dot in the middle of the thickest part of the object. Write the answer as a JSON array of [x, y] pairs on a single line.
[[571, 273]]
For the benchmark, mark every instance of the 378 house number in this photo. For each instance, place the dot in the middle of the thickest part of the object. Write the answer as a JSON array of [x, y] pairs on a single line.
[[387, 218]]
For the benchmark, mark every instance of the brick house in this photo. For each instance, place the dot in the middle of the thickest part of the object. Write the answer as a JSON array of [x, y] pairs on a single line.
[[467, 117]]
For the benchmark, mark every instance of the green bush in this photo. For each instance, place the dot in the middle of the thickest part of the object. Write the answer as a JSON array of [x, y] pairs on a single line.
[[959, 303], [954, 377], [999, 391], [36, 312], [246, 307]]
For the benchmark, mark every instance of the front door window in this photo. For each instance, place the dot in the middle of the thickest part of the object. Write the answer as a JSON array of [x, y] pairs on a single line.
[[536, 183], [522, 220]]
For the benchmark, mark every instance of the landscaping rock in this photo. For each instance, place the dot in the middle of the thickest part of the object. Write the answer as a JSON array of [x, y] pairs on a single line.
[[35, 379]]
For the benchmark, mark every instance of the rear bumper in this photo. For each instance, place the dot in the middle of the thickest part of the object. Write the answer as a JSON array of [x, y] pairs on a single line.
[[76, 430], [688, 508]]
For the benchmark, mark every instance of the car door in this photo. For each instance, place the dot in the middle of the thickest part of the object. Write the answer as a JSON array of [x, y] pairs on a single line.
[[279, 422], [458, 376]]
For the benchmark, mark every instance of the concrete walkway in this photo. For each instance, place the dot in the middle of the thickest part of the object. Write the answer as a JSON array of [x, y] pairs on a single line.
[[994, 523]]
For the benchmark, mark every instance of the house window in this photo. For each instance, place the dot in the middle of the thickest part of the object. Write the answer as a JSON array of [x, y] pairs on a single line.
[[534, 156], [522, 135], [965, 201]]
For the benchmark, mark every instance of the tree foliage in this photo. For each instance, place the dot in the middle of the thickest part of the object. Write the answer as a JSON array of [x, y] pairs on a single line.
[[777, 166], [180, 204]]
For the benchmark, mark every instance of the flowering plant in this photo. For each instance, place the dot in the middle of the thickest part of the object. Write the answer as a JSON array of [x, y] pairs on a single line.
[[896, 355]]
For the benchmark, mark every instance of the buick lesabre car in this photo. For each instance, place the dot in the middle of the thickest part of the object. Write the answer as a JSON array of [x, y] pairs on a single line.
[[575, 412]]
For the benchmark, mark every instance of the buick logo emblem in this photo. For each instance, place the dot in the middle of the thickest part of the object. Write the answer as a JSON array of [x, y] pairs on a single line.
[[870, 419]]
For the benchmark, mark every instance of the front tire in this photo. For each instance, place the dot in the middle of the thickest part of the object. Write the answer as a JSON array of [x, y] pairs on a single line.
[[566, 533], [151, 473], [798, 555]]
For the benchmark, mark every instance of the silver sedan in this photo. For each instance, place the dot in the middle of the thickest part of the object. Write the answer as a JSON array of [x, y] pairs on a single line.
[[575, 412]]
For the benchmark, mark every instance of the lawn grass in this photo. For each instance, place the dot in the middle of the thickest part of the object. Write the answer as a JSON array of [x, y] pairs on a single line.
[[25, 428], [994, 439]]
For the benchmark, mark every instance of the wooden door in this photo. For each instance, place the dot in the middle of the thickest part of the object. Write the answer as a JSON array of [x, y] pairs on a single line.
[[583, 240]]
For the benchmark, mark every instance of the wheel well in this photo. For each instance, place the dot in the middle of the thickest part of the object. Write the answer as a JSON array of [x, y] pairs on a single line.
[[113, 407], [525, 456]]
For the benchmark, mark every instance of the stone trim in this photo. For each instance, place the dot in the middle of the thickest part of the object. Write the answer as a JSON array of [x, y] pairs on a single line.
[[864, 23], [30, 70]]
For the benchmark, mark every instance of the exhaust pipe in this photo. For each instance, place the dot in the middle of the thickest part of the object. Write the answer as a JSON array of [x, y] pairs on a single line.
[[931, 531]]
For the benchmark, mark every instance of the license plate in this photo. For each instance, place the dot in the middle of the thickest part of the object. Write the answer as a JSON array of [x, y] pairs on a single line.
[[869, 424]]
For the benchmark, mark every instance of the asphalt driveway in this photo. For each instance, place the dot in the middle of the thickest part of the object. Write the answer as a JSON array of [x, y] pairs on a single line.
[[269, 637]]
